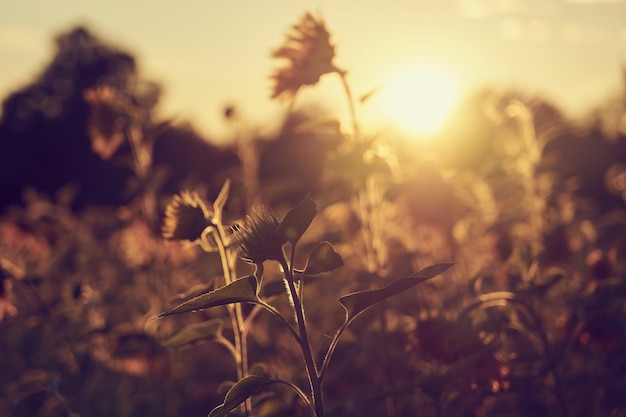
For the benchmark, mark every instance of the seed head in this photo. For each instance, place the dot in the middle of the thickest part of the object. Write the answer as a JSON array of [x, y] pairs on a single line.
[[258, 238], [186, 217]]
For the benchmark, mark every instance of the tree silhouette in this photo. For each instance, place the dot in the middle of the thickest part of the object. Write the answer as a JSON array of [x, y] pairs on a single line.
[[74, 125], [43, 130]]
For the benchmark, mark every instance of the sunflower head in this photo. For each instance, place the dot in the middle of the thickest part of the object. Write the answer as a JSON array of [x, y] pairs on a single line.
[[309, 55], [258, 238], [186, 217]]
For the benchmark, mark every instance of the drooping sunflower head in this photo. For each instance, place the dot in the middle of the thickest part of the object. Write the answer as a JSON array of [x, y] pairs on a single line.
[[186, 217], [258, 239], [309, 54]]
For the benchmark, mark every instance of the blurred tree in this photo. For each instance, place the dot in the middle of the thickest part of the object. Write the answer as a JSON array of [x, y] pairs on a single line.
[[43, 129], [189, 161], [87, 121]]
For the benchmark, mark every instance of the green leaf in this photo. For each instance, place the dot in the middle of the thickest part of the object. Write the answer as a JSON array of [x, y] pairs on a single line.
[[243, 290], [241, 391], [297, 220], [357, 302], [323, 258], [194, 333]]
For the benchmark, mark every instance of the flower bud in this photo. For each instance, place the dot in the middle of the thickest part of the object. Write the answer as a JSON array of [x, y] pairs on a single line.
[[258, 238]]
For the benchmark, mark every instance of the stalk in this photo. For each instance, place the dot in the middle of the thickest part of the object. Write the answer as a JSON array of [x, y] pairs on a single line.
[[348, 91], [239, 331], [368, 209], [305, 344]]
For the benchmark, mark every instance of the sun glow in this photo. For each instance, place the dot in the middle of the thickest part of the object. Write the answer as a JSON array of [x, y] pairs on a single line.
[[418, 98]]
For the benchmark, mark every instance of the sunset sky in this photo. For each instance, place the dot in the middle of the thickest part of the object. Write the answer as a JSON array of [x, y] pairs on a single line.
[[207, 54]]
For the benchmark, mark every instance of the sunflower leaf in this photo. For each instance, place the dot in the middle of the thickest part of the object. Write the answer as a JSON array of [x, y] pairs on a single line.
[[323, 258], [194, 333], [241, 391], [357, 302], [297, 220], [243, 290]]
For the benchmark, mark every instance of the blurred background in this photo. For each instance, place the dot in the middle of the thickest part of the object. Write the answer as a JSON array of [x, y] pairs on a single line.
[[569, 51], [491, 134]]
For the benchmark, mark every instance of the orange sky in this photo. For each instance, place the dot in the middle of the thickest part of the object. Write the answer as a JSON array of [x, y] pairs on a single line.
[[207, 54]]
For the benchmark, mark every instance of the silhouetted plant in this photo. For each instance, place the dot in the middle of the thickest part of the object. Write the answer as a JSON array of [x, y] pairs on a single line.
[[529, 205], [262, 237]]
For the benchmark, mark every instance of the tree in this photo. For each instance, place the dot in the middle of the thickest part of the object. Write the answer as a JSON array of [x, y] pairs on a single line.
[[45, 139]]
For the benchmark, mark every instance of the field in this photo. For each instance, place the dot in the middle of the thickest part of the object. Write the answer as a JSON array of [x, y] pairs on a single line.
[[318, 270]]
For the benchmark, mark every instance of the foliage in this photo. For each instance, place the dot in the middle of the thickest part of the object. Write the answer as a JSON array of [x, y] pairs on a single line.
[[294, 300]]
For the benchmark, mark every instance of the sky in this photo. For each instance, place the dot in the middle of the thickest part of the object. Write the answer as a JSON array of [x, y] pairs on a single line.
[[208, 54]]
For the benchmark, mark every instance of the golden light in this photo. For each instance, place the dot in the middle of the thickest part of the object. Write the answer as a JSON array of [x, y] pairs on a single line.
[[418, 98]]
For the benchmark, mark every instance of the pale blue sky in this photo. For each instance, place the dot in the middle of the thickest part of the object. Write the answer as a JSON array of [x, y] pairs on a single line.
[[207, 53]]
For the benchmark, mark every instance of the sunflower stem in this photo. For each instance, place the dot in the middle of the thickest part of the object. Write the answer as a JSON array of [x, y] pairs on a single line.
[[346, 86], [305, 344], [237, 318]]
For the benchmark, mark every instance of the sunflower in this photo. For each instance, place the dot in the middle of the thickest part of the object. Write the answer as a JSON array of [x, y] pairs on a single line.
[[310, 56], [258, 238], [186, 217]]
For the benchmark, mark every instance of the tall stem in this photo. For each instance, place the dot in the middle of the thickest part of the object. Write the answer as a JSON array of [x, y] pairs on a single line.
[[362, 204], [368, 209], [305, 344], [348, 91], [239, 331]]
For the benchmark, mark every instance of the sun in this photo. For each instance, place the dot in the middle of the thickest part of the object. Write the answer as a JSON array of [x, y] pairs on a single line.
[[418, 98]]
